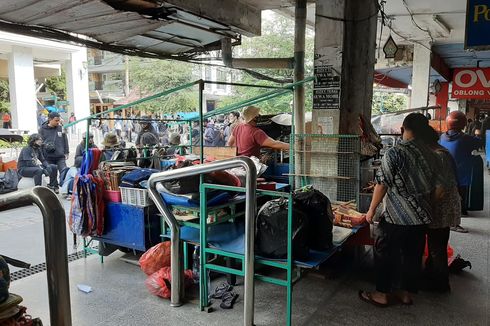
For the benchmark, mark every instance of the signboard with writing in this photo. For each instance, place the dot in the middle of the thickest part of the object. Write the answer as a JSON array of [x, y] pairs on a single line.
[[477, 25], [326, 98], [471, 83], [324, 77]]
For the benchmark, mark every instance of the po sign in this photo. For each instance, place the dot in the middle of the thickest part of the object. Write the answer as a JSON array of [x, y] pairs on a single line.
[[471, 83]]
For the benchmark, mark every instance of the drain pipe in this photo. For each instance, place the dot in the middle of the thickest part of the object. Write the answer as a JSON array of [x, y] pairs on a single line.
[[251, 63], [299, 91], [55, 247]]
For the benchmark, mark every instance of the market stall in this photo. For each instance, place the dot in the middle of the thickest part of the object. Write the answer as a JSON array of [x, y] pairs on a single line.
[[209, 201]]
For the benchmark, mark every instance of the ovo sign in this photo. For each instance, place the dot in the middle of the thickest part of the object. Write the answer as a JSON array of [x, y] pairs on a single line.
[[471, 83]]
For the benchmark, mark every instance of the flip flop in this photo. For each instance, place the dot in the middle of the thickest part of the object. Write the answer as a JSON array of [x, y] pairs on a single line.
[[220, 290], [366, 297], [229, 299]]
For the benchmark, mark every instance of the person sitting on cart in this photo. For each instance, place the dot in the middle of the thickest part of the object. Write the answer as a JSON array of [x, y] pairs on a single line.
[[249, 139], [32, 163], [146, 127]]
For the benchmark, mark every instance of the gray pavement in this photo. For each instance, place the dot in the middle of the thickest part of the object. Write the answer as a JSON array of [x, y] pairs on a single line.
[[121, 298]]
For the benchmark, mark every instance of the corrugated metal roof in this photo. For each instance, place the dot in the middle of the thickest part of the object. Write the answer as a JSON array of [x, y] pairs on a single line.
[[96, 24]]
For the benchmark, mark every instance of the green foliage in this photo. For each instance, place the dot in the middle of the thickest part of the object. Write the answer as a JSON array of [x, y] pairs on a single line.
[[4, 96], [56, 85], [388, 102], [277, 41], [4, 144], [152, 76]]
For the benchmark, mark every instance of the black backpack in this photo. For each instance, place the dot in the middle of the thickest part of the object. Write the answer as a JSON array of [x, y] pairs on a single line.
[[9, 180]]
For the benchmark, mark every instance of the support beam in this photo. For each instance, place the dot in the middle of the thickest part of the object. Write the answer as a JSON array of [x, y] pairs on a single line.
[[420, 76], [382, 79], [22, 88], [245, 18], [358, 63], [77, 85], [439, 65]]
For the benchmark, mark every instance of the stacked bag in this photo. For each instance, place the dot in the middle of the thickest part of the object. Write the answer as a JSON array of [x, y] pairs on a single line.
[[312, 225]]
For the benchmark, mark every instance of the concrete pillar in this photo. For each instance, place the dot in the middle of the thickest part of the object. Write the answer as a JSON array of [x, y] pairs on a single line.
[[77, 86], [420, 76], [22, 89]]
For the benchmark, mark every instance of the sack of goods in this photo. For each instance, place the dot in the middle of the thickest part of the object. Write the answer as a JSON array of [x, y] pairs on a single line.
[[272, 230], [318, 209]]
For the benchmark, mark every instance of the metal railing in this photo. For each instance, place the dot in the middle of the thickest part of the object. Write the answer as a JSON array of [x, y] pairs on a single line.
[[55, 247], [176, 260]]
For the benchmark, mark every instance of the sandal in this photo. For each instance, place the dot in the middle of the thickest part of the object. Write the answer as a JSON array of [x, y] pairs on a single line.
[[220, 290], [229, 299], [366, 297]]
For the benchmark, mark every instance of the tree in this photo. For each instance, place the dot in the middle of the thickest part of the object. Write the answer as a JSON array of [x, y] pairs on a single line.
[[152, 76], [4, 96], [277, 41], [388, 102], [56, 85]]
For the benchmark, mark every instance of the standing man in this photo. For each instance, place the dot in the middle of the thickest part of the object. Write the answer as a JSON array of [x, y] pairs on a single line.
[[55, 142], [460, 146], [146, 126], [209, 134], [71, 119], [232, 123]]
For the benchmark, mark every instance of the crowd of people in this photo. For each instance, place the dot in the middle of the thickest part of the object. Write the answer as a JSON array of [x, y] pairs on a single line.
[[423, 183]]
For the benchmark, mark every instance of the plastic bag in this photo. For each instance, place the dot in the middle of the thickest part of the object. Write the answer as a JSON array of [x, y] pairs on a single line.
[[318, 208], [159, 284], [155, 258], [272, 227]]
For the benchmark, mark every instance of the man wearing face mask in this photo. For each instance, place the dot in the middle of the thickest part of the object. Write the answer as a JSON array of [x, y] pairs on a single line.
[[32, 164], [55, 141]]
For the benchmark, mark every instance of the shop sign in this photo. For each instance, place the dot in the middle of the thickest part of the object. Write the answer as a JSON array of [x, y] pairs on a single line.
[[477, 25], [471, 83]]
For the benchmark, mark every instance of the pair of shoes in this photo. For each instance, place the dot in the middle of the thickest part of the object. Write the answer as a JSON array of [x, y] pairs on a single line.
[[459, 228], [224, 291], [367, 297], [220, 290]]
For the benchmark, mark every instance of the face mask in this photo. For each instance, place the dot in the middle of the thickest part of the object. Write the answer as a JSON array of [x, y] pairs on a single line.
[[35, 145]]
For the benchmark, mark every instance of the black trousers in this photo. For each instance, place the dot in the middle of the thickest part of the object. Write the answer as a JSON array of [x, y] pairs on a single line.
[[436, 265], [398, 253], [59, 162], [463, 192], [37, 173]]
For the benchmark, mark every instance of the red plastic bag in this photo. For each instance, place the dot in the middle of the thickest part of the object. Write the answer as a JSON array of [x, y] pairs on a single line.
[[158, 283], [155, 258]]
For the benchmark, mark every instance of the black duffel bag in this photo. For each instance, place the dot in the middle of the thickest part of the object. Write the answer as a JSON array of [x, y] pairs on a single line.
[[272, 229], [318, 208]]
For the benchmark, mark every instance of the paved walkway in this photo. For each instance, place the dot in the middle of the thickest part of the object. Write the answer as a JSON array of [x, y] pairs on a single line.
[[120, 296]]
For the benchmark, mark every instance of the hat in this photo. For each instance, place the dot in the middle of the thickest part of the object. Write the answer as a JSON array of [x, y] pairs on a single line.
[[110, 140], [174, 139], [250, 113], [456, 120], [145, 119]]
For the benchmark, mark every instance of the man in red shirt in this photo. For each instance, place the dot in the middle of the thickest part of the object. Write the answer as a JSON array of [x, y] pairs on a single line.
[[249, 139]]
